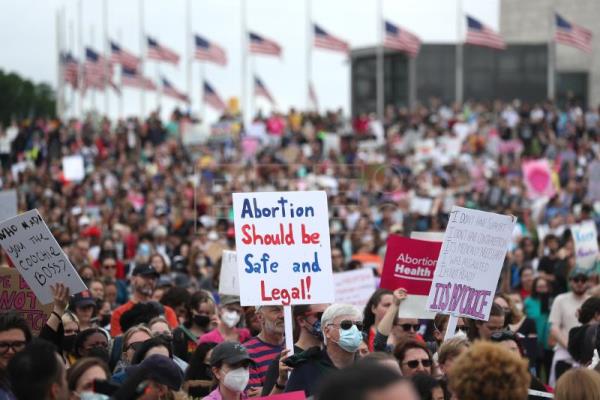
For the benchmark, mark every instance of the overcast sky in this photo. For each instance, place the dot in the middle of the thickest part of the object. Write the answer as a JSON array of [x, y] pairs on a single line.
[[28, 40]]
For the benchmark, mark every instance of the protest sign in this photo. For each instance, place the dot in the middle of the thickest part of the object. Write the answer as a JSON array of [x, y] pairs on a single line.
[[537, 176], [354, 287], [228, 280], [585, 237], [421, 205], [429, 236], [73, 169], [283, 250], [471, 258], [410, 264], [16, 295], [8, 199], [593, 172], [37, 256]]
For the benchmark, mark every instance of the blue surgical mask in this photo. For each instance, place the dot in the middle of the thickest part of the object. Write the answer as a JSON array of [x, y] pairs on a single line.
[[350, 339], [316, 330]]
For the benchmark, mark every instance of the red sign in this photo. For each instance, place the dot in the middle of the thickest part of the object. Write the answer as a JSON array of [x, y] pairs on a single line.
[[409, 264]]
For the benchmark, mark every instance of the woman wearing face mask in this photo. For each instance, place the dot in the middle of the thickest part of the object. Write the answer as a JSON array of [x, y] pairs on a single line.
[[201, 317], [342, 334], [92, 342], [230, 315], [230, 368], [81, 377]]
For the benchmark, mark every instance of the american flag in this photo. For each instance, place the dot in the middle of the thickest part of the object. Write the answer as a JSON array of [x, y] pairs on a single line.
[[212, 98], [401, 39], [326, 41], [118, 55], [161, 53], [480, 35], [169, 90], [261, 90], [261, 45], [572, 35], [208, 51], [70, 68], [312, 96], [95, 70], [131, 77]]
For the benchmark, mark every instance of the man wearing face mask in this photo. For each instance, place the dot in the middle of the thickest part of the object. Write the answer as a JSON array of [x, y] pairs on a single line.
[[143, 283], [230, 314], [342, 333]]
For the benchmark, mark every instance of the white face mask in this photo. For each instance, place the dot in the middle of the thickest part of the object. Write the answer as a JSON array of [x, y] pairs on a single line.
[[230, 318], [237, 379]]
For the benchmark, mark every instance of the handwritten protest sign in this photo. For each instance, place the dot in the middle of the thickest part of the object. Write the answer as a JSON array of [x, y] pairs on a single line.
[[283, 250], [73, 168], [15, 294], [228, 280], [585, 237], [410, 264], [8, 200], [354, 287], [472, 254], [37, 256], [537, 176]]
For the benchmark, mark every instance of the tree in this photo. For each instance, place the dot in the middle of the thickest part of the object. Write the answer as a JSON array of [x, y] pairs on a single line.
[[21, 98]]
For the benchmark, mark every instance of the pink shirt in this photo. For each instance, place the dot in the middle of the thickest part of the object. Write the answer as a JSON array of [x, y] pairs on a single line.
[[215, 336], [216, 395]]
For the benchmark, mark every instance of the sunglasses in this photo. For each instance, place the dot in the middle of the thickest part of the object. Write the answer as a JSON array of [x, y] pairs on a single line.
[[109, 266], [135, 346], [412, 364], [347, 324], [502, 336], [409, 327]]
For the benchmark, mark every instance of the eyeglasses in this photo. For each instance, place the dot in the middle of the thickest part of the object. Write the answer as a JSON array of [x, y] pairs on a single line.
[[412, 364], [347, 324], [409, 327], [109, 266], [17, 346]]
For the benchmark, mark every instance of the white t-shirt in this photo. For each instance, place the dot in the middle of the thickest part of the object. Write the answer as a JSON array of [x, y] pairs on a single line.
[[564, 312]]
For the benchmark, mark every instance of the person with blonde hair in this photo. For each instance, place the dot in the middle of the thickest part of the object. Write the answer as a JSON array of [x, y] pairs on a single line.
[[449, 352], [578, 384]]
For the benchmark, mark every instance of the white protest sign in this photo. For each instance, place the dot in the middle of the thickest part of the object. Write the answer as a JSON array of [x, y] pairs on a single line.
[[471, 258], [8, 200], [73, 168], [585, 237], [37, 256], [283, 250], [228, 280], [354, 287]]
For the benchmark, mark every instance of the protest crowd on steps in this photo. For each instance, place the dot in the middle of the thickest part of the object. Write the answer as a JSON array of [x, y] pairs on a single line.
[[147, 225]]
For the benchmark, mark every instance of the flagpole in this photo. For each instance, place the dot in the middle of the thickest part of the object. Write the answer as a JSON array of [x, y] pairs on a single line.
[[190, 54], [120, 37], [160, 88], [380, 63], [551, 79], [458, 89], [412, 82], [60, 69], [202, 105], [72, 45], [309, 46], [81, 56], [253, 95], [106, 51], [93, 89], [142, 58], [244, 61]]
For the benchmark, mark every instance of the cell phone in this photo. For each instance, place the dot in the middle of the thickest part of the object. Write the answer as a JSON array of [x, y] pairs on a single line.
[[106, 387]]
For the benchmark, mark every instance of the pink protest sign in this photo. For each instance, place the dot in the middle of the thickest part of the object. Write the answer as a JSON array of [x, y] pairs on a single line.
[[537, 175]]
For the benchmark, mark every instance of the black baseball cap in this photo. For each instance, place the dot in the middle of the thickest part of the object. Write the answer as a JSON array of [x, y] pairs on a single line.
[[229, 353], [160, 369], [145, 270], [82, 299]]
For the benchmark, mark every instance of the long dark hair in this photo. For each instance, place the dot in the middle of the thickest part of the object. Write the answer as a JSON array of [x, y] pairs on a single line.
[[544, 300], [368, 316]]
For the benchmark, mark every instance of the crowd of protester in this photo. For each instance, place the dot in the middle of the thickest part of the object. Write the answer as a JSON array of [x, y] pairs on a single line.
[[147, 226]]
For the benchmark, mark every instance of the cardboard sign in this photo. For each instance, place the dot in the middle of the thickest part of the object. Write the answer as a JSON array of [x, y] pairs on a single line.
[[8, 199], [471, 258], [228, 280], [15, 294], [354, 287], [73, 168], [37, 256], [585, 237], [537, 175], [410, 264], [285, 396], [283, 250]]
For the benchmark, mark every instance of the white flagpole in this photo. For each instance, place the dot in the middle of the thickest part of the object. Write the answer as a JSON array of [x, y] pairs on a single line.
[[202, 105], [190, 52], [412, 82], [106, 56], [142, 58], [244, 100], [81, 57], [551, 80], [120, 37], [94, 90], [309, 47], [160, 89], [253, 90], [73, 46], [380, 63], [60, 77], [459, 82]]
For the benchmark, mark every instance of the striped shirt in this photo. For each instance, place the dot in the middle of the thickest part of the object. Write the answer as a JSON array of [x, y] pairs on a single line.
[[262, 354]]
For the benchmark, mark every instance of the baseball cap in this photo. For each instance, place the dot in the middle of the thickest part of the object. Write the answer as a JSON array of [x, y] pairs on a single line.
[[229, 299], [229, 353], [82, 299], [145, 270], [160, 369]]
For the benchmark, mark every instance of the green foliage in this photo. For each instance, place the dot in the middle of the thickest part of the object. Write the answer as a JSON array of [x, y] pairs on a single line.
[[21, 98]]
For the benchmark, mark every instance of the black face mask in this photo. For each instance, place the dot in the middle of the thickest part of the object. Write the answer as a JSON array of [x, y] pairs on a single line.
[[68, 343], [99, 352], [201, 320]]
